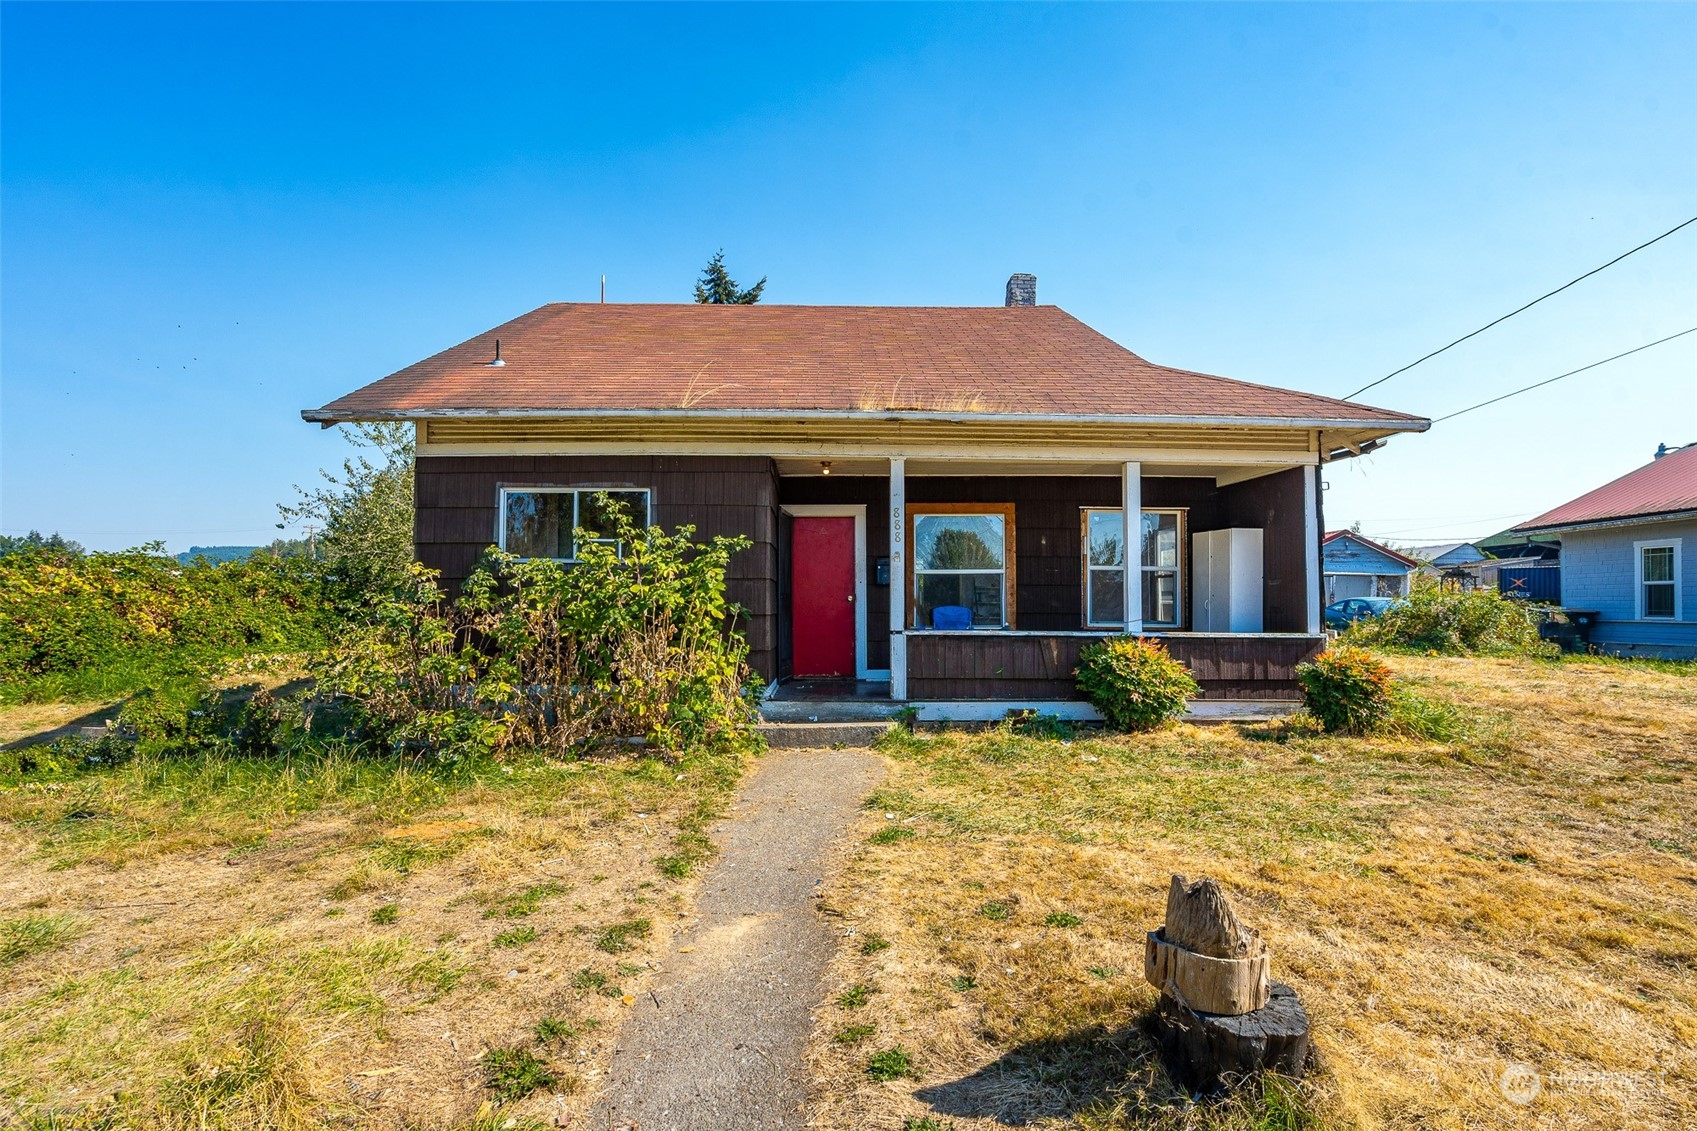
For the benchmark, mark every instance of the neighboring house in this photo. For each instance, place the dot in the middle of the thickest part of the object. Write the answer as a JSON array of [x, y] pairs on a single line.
[[1357, 566], [1624, 551], [937, 497], [1446, 555], [1511, 545]]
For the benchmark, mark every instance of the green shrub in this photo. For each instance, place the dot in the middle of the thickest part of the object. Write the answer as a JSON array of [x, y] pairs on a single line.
[[1134, 682], [104, 624], [1347, 689], [638, 644], [1441, 618]]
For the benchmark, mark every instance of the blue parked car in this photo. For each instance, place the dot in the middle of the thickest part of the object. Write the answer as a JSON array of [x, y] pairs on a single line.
[[1341, 614]]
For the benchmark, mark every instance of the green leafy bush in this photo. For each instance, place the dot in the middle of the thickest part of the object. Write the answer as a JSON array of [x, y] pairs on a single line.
[[1347, 689], [1436, 617], [1134, 682], [634, 641], [104, 624]]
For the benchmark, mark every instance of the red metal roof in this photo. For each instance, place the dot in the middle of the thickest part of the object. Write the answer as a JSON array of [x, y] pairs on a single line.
[[567, 358], [1366, 541], [1664, 486]]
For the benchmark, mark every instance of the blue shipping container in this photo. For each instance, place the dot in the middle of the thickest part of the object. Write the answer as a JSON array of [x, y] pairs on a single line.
[[1535, 583]]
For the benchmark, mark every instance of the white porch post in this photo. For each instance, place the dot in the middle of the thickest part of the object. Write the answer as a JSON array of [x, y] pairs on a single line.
[[1311, 538], [1131, 511], [898, 578]]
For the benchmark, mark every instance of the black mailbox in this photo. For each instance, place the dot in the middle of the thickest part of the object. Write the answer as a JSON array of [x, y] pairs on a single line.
[[881, 572]]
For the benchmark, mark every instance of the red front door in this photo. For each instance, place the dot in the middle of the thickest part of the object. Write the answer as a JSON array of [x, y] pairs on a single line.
[[822, 596]]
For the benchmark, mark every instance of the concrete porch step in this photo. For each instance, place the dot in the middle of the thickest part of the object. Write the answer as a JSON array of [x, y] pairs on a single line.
[[829, 710], [820, 735]]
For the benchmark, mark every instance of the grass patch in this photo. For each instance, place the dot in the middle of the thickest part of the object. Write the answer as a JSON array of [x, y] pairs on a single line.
[[514, 1073], [855, 996], [386, 914], [853, 1034], [29, 935], [890, 834], [1517, 834], [516, 936], [891, 1064], [872, 944], [962, 983], [525, 902], [621, 937], [551, 1030]]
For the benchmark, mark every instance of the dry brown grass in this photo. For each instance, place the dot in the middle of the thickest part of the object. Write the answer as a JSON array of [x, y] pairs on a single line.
[[1526, 893], [211, 945]]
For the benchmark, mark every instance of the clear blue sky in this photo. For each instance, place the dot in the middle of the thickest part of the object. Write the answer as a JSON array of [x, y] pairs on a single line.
[[217, 215]]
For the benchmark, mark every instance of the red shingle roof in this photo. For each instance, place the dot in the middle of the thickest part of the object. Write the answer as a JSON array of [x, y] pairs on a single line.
[[568, 358], [1665, 486]]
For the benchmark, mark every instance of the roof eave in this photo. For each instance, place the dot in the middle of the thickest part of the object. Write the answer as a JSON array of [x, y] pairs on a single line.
[[329, 415], [1604, 523]]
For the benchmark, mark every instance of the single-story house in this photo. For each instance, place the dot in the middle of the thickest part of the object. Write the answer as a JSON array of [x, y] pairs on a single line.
[[1623, 557], [1357, 566], [939, 498], [1446, 555]]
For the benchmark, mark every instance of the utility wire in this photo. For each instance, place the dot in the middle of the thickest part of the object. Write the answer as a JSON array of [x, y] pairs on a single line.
[[1528, 306], [1569, 373]]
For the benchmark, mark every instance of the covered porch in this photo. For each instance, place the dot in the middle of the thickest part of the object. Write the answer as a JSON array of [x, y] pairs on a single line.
[[964, 587]]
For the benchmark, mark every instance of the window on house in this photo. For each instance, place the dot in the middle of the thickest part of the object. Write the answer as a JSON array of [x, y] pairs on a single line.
[[962, 559], [1658, 579], [538, 522], [1162, 553]]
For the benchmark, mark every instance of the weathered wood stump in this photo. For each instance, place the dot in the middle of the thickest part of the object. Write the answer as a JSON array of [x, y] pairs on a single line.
[[1221, 1017], [1210, 1052]]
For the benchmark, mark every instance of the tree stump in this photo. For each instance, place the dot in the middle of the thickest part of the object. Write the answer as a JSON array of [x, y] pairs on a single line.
[[1199, 919], [1210, 1052]]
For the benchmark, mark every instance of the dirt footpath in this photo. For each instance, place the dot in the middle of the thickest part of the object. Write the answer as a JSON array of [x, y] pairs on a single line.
[[719, 1042]]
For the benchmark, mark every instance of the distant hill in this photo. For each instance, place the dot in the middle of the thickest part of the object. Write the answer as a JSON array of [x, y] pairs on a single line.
[[217, 553]]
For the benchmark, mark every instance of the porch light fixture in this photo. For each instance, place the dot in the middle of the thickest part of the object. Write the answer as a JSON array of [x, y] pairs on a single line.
[[824, 467], [497, 360]]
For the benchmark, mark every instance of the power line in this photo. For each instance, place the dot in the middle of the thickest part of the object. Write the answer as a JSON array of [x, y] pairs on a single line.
[[1528, 306], [1569, 373]]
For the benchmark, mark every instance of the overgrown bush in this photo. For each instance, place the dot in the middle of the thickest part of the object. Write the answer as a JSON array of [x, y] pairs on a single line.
[[1436, 617], [1347, 689], [1134, 681], [103, 624], [632, 641]]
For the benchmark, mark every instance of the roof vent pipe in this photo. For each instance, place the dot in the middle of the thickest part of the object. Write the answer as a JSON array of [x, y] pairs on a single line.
[[1022, 290], [497, 360]]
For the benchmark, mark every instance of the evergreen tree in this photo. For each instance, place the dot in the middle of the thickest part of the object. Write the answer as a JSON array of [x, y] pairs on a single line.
[[717, 286]]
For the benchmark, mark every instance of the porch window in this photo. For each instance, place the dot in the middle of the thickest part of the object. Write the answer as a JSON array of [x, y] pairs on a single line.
[[537, 522], [1162, 554], [1658, 579], [962, 559]]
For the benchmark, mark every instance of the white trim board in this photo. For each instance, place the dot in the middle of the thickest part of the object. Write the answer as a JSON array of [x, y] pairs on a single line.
[[856, 511], [995, 710]]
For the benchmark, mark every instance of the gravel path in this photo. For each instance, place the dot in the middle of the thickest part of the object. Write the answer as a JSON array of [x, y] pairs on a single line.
[[720, 1043]]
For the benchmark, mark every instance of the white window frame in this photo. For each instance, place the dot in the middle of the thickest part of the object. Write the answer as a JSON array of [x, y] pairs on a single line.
[[917, 512], [1179, 571], [1638, 549], [576, 492]]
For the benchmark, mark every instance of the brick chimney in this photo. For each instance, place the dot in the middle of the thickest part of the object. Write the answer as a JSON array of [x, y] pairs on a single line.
[[1022, 290]]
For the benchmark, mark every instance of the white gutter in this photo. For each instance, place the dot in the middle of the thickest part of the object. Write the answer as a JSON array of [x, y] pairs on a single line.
[[328, 417]]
